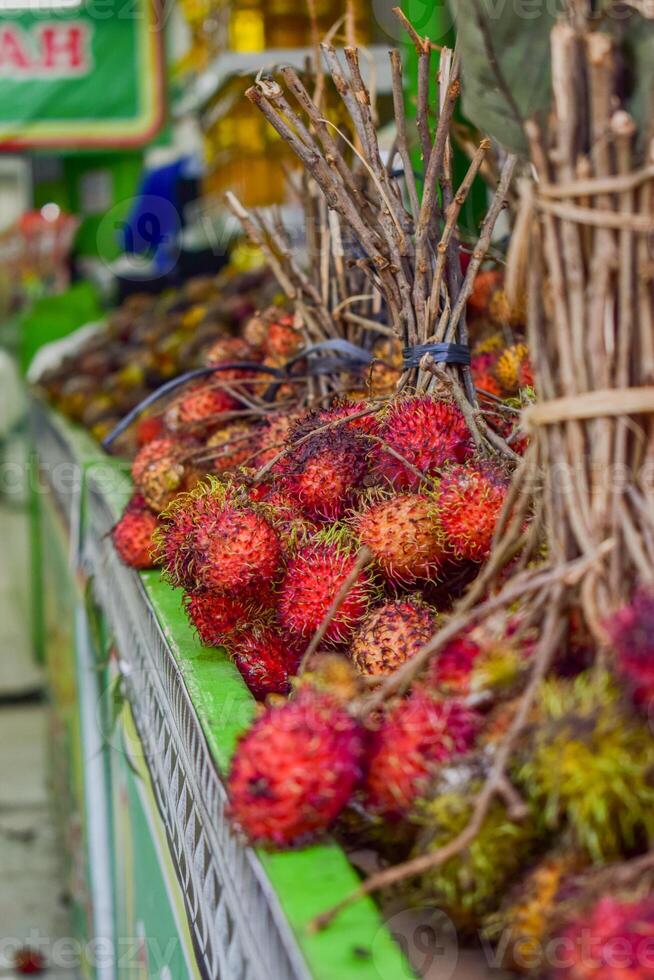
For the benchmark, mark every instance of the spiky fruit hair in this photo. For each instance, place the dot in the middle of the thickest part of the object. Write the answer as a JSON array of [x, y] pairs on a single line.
[[161, 480], [482, 367], [203, 405], [133, 537], [612, 940], [418, 734], [265, 659], [522, 922], [391, 634], [588, 768], [470, 885], [312, 581], [476, 663], [632, 634], [426, 432], [272, 436], [467, 503], [230, 446], [163, 446], [176, 551], [215, 617], [509, 365], [403, 536], [295, 770], [323, 472]]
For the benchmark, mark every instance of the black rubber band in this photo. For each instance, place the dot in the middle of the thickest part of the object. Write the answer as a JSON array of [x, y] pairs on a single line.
[[441, 353]]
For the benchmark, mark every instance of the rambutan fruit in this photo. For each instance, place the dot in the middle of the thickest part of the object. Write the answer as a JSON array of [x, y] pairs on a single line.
[[282, 339], [323, 472], [426, 432], [161, 480], [611, 940], [203, 404], [366, 424], [149, 428], [478, 662], [295, 770], [526, 374], [507, 312], [156, 449], [522, 922], [227, 349], [403, 536], [391, 634], [509, 365], [486, 283], [417, 736], [631, 630], [470, 885], [230, 446], [482, 367], [265, 659], [467, 504], [272, 436], [386, 370], [133, 537], [588, 767], [312, 581], [214, 616], [238, 547], [333, 674]]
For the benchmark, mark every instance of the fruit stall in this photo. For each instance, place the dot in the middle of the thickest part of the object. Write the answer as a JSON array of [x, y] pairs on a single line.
[[355, 537]]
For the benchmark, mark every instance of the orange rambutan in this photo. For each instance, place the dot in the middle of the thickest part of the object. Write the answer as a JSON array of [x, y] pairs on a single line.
[[403, 536], [467, 503], [391, 634]]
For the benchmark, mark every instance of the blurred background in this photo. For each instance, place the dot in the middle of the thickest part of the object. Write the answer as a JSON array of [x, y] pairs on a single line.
[[121, 127]]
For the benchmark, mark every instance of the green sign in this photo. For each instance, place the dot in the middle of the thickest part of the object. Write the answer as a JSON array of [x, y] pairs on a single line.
[[80, 74]]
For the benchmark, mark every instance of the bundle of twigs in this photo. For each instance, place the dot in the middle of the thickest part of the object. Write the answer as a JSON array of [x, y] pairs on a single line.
[[401, 229], [585, 481]]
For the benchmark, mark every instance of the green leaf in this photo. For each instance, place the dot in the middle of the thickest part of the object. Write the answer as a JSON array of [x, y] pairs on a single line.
[[505, 58], [638, 48]]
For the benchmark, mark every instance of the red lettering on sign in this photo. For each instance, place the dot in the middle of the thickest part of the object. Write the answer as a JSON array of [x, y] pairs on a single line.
[[14, 58], [63, 49]]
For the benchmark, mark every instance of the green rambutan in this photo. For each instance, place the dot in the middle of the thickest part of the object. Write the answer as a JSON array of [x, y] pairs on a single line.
[[467, 504], [403, 536], [265, 658], [391, 634], [295, 770], [588, 767], [417, 736], [470, 885], [312, 581], [426, 432], [133, 537]]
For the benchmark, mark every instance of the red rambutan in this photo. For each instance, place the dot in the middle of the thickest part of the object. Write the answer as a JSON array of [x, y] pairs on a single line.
[[203, 404], [133, 537], [482, 366], [611, 941], [282, 339], [265, 659], [417, 735], [272, 437], [486, 282], [403, 537], [450, 671], [632, 633], [427, 433], [467, 503], [295, 770], [149, 428], [323, 472], [238, 548], [390, 635], [215, 617], [312, 581]]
